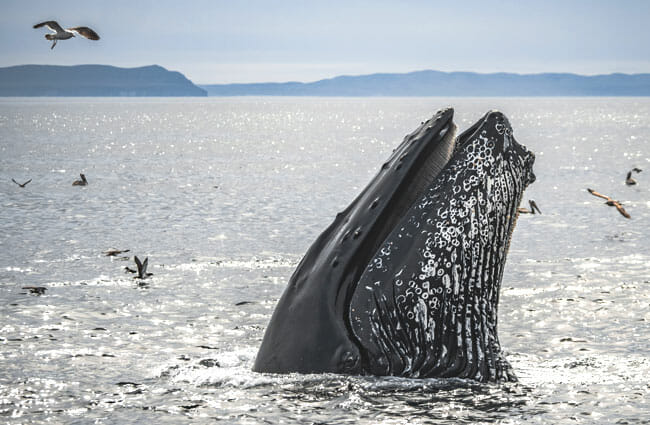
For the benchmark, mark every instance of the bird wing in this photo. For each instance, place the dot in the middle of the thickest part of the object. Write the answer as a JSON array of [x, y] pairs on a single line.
[[53, 25], [25, 184], [139, 264], [15, 182], [85, 32], [593, 192], [620, 209], [144, 266]]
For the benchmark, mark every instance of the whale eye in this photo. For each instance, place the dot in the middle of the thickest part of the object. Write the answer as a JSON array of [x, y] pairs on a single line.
[[349, 362]]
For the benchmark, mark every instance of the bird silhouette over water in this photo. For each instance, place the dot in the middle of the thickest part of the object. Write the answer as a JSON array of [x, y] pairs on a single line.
[[629, 180], [21, 185], [82, 182], [65, 34], [38, 290], [533, 208], [142, 268], [114, 252], [612, 203]]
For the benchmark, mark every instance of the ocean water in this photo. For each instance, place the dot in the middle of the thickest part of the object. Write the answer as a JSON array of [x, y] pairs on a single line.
[[224, 196]]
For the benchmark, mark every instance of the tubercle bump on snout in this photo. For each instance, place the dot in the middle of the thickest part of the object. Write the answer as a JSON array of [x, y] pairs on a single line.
[[505, 132]]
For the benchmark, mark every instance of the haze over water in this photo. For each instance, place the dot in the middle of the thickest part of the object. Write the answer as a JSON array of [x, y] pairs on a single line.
[[225, 196]]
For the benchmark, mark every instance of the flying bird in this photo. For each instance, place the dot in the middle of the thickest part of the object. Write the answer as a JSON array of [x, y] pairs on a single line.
[[82, 182], [142, 268], [64, 34], [21, 185], [612, 203], [38, 290], [114, 252]]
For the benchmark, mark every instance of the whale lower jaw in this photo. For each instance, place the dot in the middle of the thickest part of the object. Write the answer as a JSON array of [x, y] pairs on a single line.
[[426, 305]]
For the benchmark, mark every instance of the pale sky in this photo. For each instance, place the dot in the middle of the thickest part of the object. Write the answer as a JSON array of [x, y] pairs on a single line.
[[227, 41]]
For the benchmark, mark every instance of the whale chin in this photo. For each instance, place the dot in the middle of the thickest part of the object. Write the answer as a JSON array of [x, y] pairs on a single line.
[[405, 281]]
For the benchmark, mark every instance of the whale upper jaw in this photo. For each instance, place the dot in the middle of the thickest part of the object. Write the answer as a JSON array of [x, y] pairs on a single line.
[[312, 329], [309, 331]]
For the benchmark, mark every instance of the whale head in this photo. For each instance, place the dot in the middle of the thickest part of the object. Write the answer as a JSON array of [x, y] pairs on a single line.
[[405, 281]]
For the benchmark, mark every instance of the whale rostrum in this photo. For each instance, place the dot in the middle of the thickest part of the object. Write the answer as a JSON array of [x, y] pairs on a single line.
[[405, 281]]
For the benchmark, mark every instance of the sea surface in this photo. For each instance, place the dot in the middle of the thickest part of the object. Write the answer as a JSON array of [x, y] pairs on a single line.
[[225, 195]]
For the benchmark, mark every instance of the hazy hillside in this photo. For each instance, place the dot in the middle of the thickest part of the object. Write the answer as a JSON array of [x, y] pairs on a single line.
[[94, 80], [436, 83]]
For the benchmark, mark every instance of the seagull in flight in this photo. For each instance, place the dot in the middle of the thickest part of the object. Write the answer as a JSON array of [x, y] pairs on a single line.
[[23, 184], [64, 34]]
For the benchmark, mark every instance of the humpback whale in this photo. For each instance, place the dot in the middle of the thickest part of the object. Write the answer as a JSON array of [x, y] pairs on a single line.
[[405, 281]]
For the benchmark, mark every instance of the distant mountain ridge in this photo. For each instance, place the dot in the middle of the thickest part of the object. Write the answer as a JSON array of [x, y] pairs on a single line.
[[94, 80], [437, 83]]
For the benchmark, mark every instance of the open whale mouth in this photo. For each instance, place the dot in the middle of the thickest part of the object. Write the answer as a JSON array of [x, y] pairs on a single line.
[[405, 280]]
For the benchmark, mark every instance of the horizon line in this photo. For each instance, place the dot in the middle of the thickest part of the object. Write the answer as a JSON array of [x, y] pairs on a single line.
[[348, 75], [429, 70]]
